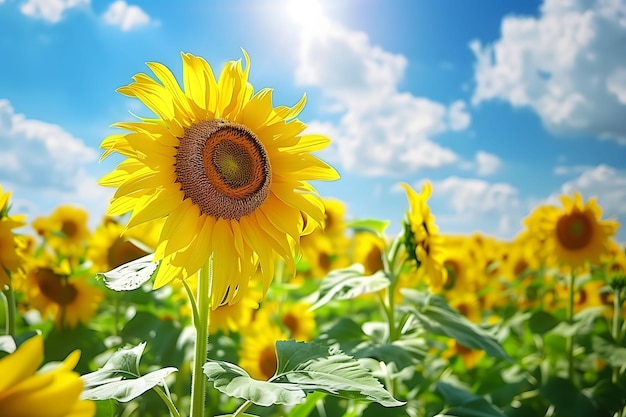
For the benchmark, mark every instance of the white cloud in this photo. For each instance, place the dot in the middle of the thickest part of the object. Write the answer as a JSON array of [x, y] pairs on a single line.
[[605, 183], [45, 166], [50, 10], [37, 154], [381, 130], [566, 65], [125, 16], [467, 195], [471, 204], [487, 163]]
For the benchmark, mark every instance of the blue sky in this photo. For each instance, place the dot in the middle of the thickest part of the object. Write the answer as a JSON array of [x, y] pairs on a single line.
[[501, 105]]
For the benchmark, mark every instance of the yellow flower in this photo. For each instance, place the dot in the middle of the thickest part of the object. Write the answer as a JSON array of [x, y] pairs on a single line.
[[226, 169], [576, 233], [68, 300], [10, 259], [51, 393], [108, 248], [65, 230], [368, 251], [470, 357], [423, 241], [257, 354]]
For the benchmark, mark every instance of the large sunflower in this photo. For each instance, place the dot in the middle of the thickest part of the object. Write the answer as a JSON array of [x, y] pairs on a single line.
[[576, 234], [227, 170]]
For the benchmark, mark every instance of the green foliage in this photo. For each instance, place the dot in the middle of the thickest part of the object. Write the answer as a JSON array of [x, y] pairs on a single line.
[[302, 368], [437, 317], [346, 284], [120, 378]]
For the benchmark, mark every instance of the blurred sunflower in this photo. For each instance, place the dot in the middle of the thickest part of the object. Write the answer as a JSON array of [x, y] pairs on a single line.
[[65, 230], [367, 250], [294, 318], [109, 247], [470, 357], [10, 259], [51, 393], [257, 354], [424, 244], [227, 169], [51, 290], [576, 234]]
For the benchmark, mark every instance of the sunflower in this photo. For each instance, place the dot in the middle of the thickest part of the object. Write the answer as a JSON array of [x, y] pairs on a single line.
[[422, 240], [368, 251], [257, 354], [296, 319], [226, 169], [50, 393], [10, 259], [108, 248], [65, 230], [52, 291], [576, 234]]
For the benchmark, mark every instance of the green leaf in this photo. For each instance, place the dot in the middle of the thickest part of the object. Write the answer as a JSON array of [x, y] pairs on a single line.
[[614, 355], [566, 398], [436, 316], [348, 283], [120, 379], [302, 367], [306, 408], [106, 408], [463, 403], [131, 275], [375, 226], [542, 321]]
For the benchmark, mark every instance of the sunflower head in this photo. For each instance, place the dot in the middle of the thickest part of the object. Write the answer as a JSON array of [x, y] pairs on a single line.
[[577, 234], [224, 170]]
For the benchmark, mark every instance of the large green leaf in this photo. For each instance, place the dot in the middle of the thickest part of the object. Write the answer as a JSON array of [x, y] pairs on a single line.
[[348, 283], [302, 368], [131, 275], [436, 316], [463, 403], [120, 378], [566, 398]]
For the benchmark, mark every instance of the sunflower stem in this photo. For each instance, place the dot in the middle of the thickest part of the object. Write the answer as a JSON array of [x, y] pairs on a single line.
[[570, 320], [615, 328], [167, 400], [201, 323], [9, 297], [242, 409]]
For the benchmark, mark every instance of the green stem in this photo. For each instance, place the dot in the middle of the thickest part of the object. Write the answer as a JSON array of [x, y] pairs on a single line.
[[570, 320], [615, 329], [242, 409], [11, 315], [201, 323], [167, 400]]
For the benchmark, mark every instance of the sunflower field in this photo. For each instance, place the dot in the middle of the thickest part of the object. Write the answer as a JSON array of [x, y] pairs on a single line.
[[221, 284]]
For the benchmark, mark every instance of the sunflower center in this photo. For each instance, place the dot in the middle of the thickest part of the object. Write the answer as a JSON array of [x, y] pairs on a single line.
[[574, 231], [268, 362], [55, 287], [223, 168], [69, 228]]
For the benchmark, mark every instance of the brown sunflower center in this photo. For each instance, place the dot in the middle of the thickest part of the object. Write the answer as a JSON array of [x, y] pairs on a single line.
[[69, 228], [223, 168], [55, 287], [121, 252], [574, 231], [291, 322], [268, 362]]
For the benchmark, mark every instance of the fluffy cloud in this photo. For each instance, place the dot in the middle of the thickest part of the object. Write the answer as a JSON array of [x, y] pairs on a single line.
[[468, 204], [605, 183], [125, 16], [36, 154], [487, 163], [381, 130], [50, 10], [566, 65]]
